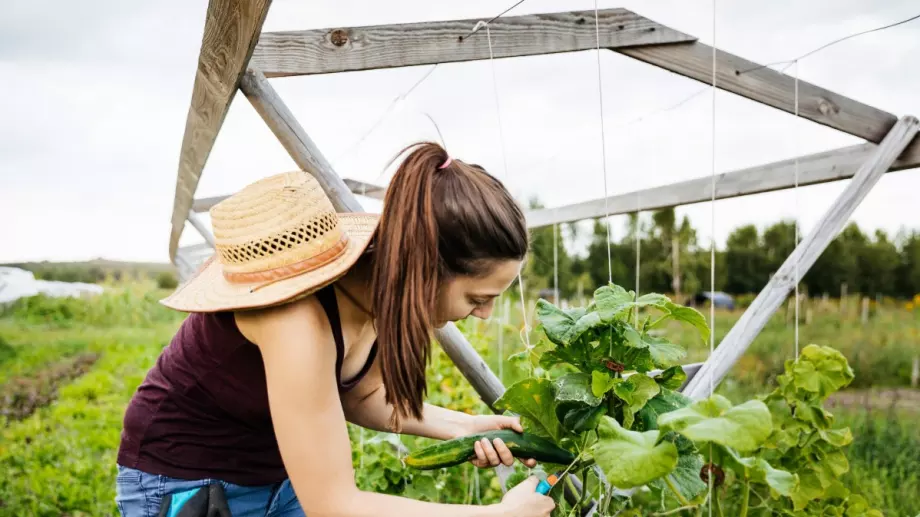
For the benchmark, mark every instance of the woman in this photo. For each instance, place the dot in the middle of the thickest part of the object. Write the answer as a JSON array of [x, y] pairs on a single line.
[[305, 319]]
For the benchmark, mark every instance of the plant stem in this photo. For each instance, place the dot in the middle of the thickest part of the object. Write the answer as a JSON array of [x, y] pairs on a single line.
[[675, 510], [682, 499], [659, 320], [745, 498], [717, 502]]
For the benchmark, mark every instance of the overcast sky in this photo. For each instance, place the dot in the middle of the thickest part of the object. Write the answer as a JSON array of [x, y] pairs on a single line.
[[95, 96]]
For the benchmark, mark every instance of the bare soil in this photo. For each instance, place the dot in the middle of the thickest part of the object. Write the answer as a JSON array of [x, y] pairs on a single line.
[[22, 396]]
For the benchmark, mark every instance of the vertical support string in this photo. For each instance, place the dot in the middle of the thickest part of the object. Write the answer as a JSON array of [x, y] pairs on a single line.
[[555, 265], [797, 214], [712, 236], [525, 330], [600, 95]]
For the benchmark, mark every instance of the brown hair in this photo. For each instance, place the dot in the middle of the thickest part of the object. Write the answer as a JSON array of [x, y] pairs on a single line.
[[436, 223]]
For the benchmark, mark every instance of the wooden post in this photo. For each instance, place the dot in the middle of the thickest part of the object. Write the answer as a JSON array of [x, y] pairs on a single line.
[[843, 299], [915, 373], [864, 317], [740, 337], [305, 153]]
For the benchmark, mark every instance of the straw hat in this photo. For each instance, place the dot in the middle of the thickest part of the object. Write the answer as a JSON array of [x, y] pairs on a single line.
[[277, 240]]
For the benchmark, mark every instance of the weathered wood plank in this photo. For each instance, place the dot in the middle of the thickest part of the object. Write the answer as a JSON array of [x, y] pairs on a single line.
[[231, 30], [827, 166], [295, 140], [201, 227], [742, 334], [307, 155], [345, 49], [366, 189], [768, 86]]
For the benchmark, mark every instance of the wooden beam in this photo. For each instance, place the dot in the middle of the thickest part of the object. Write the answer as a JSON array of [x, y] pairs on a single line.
[[201, 227], [742, 334], [346, 49], [823, 167], [295, 140], [357, 187], [366, 189], [282, 123], [767, 86], [230, 32]]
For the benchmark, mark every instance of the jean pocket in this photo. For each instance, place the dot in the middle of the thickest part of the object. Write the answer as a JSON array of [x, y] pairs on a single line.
[[128, 475]]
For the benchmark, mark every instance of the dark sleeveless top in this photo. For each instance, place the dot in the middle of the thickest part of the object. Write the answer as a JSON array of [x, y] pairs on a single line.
[[202, 411]]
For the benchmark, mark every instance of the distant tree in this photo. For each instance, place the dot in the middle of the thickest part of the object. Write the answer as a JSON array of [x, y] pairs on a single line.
[[745, 261], [167, 280]]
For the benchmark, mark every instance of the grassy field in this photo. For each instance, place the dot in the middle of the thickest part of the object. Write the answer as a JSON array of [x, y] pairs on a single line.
[[68, 367]]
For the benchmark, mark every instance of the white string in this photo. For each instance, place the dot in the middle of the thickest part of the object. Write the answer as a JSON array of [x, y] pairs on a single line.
[[796, 219], [600, 95], [525, 330], [555, 265], [712, 237]]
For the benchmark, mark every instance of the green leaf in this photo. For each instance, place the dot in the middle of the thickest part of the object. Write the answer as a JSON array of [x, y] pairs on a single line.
[[555, 322], [638, 359], [629, 458], [534, 400], [818, 372], [602, 382], [582, 418], [612, 300], [691, 316], [585, 323], [672, 378], [665, 402], [663, 353], [837, 437], [635, 391], [759, 470], [837, 462], [686, 475], [744, 427], [576, 387]]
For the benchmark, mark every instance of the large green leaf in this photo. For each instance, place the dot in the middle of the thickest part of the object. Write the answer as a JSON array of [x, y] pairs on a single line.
[[602, 382], [579, 418], [585, 323], [555, 322], [686, 475], [632, 358], [576, 387], [758, 470], [629, 458], [612, 301], [663, 353], [665, 402], [816, 374], [635, 391], [534, 400], [672, 378], [691, 316], [744, 427]]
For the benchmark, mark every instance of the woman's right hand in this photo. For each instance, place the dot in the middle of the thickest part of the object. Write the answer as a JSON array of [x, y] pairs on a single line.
[[524, 501]]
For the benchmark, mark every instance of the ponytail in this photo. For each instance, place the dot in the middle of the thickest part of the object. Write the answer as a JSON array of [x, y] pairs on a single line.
[[405, 280], [441, 217]]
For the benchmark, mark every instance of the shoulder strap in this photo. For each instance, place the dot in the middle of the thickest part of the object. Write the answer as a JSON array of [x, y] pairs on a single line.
[[326, 297]]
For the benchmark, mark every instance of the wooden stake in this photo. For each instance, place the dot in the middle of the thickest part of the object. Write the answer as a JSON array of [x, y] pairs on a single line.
[[742, 334], [865, 310]]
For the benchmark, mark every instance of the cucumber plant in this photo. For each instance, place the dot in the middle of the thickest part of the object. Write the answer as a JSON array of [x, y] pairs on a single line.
[[603, 384]]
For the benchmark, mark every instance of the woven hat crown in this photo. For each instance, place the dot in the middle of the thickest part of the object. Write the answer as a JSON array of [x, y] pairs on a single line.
[[284, 221]]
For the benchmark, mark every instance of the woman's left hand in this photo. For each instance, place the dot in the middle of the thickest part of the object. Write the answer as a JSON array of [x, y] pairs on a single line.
[[491, 454]]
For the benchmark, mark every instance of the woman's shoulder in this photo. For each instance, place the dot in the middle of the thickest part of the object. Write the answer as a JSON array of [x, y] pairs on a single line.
[[305, 315]]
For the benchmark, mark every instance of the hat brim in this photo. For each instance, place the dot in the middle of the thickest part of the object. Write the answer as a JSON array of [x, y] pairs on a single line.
[[209, 291]]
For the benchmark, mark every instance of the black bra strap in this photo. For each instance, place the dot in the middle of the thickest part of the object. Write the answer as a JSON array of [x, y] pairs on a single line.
[[327, 298]]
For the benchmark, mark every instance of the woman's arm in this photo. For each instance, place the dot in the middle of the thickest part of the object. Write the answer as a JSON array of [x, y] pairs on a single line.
[[366, 406], [309, 422]]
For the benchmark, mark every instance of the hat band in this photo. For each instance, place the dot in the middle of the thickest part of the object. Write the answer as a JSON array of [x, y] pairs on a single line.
[[283, 272]]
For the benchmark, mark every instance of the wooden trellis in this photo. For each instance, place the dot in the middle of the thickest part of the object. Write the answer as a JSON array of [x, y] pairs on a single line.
[[236, 55]]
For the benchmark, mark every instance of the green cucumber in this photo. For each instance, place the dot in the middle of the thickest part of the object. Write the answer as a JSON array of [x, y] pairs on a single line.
[[459, 450]]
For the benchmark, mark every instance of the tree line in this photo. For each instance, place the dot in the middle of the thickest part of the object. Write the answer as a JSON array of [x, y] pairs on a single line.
[[672, 260]]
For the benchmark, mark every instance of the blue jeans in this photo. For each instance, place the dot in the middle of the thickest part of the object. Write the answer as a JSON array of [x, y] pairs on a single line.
[[139, 494]]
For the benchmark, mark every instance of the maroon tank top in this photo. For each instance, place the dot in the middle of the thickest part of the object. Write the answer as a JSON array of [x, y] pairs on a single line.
[[202, 411]]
